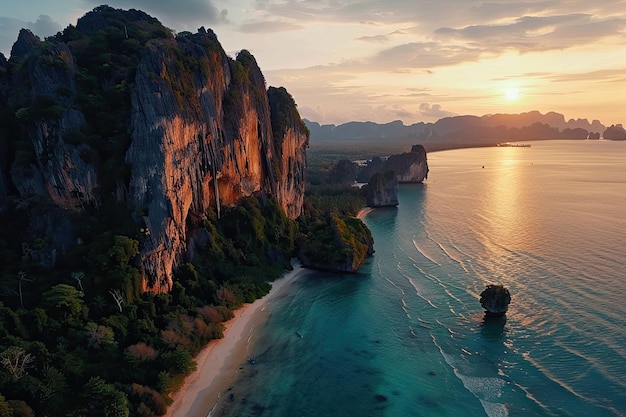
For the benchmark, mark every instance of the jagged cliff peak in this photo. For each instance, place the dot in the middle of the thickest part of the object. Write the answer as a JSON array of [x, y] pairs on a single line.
[[117, 113], [26, 43]]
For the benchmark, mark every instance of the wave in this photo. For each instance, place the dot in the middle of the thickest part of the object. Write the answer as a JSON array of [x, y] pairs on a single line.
[[424, 254], [488, 390]]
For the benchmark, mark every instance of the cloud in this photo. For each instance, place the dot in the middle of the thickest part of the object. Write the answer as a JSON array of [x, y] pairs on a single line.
[[598, 76], [434, 111], [44, 26], [177, 13], [537, 33], [491, 27], [423, 55], [10, 28], [494, 11], [374, 39], [268, 27]]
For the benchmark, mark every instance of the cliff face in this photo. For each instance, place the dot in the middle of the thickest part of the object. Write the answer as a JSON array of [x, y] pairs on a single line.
[[409, 166], [382, 190], [200, 152], [198, 134], [4, 134], [46, 88]]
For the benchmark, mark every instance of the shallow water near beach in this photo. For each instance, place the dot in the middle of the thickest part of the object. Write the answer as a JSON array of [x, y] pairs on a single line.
[[406, 335]]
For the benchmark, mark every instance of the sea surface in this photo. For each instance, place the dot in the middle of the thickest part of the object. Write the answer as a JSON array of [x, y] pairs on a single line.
[[406, 335]]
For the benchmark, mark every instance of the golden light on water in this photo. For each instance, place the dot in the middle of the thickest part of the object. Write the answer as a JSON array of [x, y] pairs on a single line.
[[512, 221]]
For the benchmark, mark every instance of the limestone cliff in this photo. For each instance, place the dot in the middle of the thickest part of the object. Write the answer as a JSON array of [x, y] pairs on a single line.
[[382, 190], [409, 166], [44, 88], [168, 126]]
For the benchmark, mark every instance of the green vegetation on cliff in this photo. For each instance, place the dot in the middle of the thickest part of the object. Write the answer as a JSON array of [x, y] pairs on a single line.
[[79, 333], [332, 238], [88, 328]]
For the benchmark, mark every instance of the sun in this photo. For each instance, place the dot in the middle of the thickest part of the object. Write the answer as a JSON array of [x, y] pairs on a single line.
[[511, 94]]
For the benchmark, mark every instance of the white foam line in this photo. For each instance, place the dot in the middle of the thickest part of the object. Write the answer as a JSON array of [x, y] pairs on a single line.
[[424, 253], [492, 409], [418, 293]]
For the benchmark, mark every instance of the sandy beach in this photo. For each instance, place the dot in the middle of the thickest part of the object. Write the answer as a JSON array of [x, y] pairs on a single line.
[[219, 360], [364, 212]]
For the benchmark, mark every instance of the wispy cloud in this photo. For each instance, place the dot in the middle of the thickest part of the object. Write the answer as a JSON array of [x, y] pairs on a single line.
[[536, 33], [268, 27], [374, 39], [423, 55]]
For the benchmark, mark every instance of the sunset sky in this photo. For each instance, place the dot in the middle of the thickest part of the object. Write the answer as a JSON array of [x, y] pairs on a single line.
[[385, 60]]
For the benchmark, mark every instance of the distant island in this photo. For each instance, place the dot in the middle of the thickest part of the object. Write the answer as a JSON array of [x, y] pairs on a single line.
[[468, 131]]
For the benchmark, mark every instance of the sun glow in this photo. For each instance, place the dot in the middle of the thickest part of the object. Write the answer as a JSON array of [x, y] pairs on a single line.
[[511, 93]]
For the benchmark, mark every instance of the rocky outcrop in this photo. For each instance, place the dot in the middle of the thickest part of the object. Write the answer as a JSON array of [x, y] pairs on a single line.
[[382, 190], [340, 245], [495, 299], [409, 166], [202, 131], [291, 139], [199, 153], [55, 169], [4, 133], [615, 132]]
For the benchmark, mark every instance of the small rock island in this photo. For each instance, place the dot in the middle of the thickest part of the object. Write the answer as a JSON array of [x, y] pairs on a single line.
[[408, 167], [495, 299]]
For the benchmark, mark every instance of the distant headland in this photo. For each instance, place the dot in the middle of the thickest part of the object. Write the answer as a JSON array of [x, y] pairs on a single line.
[[468, 131]]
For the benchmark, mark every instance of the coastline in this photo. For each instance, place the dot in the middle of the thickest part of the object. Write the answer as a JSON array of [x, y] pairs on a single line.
[[364, 212], [219, 360]]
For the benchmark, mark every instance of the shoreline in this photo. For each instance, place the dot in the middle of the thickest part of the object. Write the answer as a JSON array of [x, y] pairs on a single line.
[[364, 212], [219, 360]]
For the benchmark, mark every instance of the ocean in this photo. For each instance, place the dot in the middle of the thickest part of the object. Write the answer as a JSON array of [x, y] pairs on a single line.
[[406, 335]]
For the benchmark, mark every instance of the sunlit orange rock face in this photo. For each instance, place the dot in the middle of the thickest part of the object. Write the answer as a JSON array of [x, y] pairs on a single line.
[[202, 139]]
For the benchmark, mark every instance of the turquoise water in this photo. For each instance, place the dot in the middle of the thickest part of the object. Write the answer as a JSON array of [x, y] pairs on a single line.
[[406, 335]]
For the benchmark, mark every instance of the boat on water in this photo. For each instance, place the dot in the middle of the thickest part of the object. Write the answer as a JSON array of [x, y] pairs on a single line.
[[299, 335], [251, 361], [514, 145]]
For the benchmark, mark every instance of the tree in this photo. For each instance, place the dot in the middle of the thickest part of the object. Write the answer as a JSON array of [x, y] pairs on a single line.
[[5, 408], [15, 360], [22, 276], [140, 352], [65, 303], [123, 250], [53, 388], [178, 361], [104, 399], [78, 277], [118, 297], [98, 303], [99, 336]]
